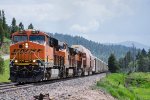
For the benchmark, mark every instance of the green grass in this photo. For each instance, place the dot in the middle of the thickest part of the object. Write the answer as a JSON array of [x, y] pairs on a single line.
[[135, 86], [5, 76]]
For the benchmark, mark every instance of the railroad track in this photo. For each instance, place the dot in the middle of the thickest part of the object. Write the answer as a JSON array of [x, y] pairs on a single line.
[[63, 79], [4, 87]]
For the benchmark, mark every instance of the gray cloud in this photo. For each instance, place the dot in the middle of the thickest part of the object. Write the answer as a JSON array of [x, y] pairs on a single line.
[[77, 13], [79, 17]]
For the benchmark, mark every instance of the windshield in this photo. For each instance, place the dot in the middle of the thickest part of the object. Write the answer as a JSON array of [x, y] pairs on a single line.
[[20, 38], [37, 38]]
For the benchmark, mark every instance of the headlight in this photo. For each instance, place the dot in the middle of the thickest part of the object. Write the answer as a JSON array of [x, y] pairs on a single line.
[[16, 61], [26, 45], [34, 60]]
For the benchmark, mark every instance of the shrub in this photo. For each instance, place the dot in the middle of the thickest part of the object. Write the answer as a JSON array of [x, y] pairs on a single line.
[[1, 65]]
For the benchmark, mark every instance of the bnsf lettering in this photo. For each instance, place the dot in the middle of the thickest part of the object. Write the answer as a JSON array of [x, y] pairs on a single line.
[[21, 51]]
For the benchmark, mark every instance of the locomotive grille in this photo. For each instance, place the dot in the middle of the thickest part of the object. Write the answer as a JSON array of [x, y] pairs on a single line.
[[24, 57]]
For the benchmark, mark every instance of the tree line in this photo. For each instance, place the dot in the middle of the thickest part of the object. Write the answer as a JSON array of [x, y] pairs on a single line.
[[6, 30], [138, 62], [99, 50]]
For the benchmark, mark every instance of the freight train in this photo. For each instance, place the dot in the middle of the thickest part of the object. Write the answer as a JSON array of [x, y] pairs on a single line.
[[37, 56]]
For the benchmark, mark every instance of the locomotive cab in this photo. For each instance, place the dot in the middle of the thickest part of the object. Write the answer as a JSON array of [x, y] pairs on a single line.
[[25, 43], [28, 56]]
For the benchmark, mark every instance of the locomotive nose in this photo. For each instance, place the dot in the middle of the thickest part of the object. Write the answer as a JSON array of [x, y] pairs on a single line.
[[25, 53]]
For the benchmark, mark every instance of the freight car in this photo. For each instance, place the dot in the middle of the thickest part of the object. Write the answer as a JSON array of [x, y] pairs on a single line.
[[37, 56], [100, 66]]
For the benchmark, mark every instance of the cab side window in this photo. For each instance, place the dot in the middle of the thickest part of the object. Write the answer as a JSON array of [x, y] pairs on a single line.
[[53, 42], [47, 40], [50, 42]]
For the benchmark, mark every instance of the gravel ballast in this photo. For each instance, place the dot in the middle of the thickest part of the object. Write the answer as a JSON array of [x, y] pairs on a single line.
[[75, 89]]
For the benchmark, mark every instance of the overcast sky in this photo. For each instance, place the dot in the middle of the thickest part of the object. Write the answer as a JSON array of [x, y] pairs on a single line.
[[104, 21]]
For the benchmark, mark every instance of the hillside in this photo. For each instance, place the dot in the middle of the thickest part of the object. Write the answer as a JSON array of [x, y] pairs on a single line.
[[134, 86], [100, 50], [136, 44]]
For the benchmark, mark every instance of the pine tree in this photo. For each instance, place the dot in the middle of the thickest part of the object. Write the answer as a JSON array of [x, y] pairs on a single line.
[[112, 64], [148, 53], [138, 55], [143, 52], [1, 35], [1, 29], [4, 25], [30, 26], [143, 64], [21, 26], [4, 20], [0, 16], [14, 27], [143, 61], [127, 59], [1, 20]]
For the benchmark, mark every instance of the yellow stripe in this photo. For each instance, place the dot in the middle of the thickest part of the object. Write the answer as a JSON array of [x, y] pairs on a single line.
[[25, 63], [29, 60]]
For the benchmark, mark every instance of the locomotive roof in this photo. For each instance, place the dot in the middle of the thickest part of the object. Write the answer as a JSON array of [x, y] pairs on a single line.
[[28, 32]]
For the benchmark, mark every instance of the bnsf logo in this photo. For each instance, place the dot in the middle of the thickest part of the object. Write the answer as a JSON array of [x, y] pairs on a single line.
[[26, 51]]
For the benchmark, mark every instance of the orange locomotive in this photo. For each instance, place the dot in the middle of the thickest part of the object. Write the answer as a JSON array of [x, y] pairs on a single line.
[[37, 56], [31, 53]]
